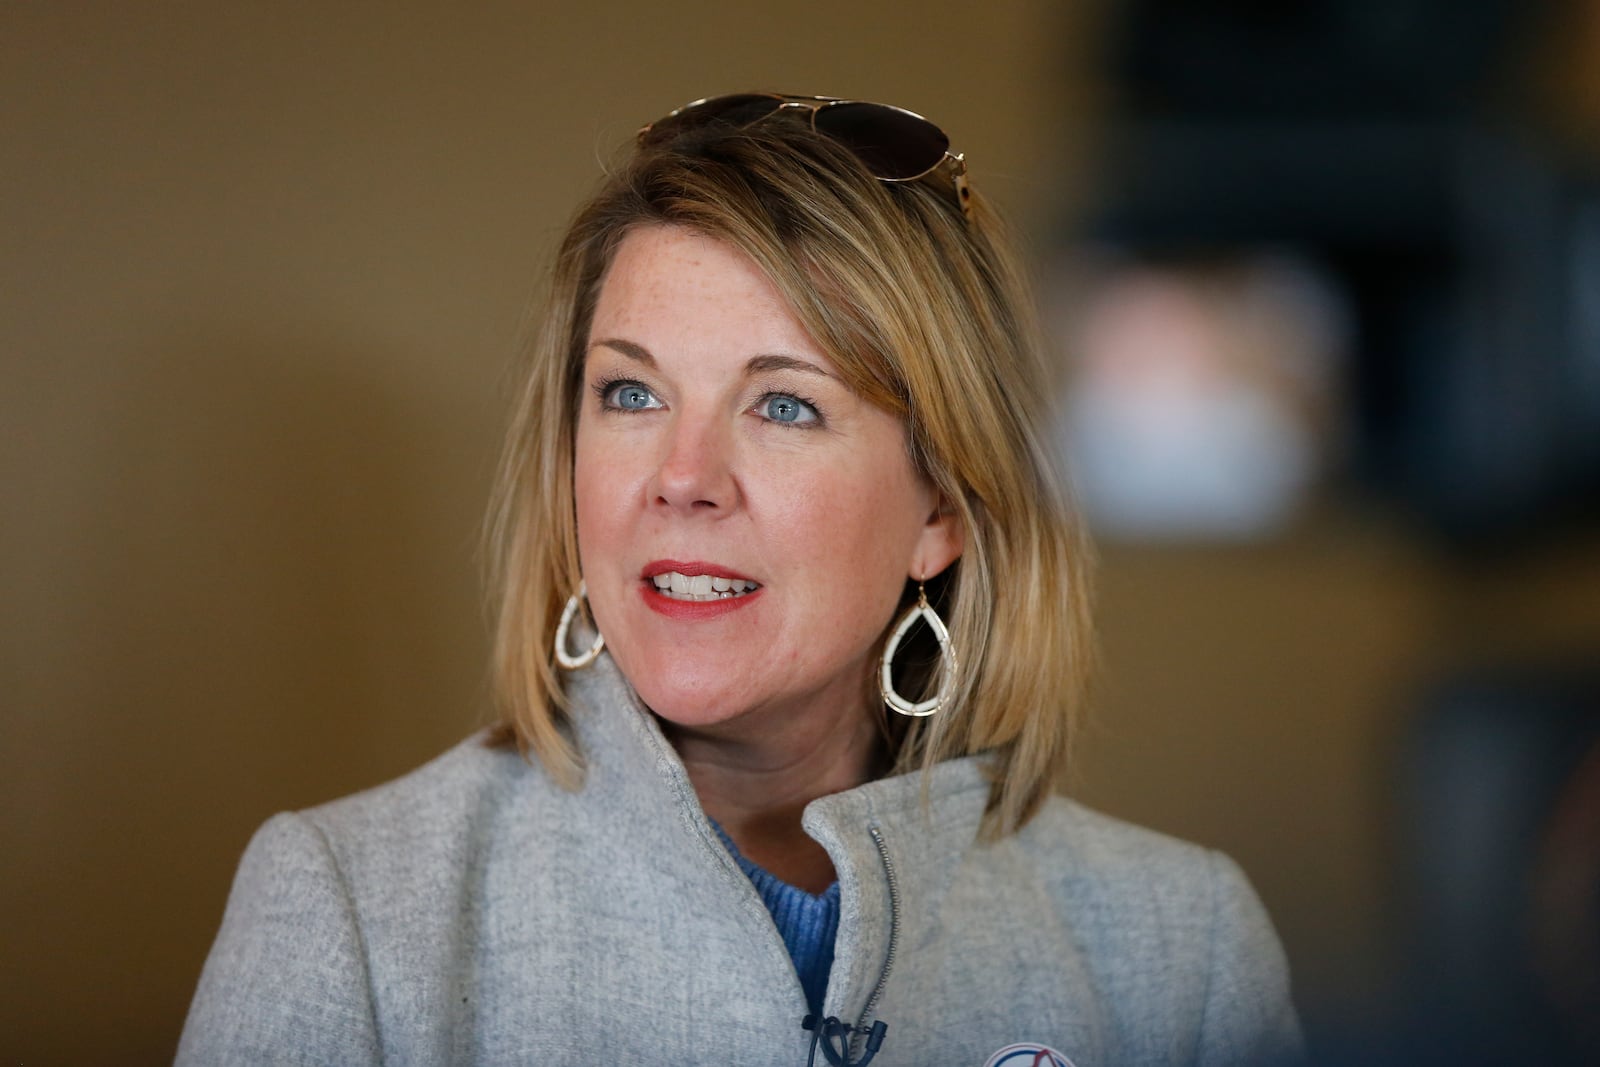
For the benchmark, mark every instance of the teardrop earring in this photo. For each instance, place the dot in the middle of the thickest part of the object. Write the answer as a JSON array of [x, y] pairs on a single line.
[[583, 659], [947, 660]]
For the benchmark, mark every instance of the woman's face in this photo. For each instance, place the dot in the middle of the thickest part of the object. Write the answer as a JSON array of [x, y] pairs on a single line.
[[746, 522]]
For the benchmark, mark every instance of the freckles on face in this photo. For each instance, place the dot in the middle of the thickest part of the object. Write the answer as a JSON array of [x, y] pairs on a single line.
[[746, 523]]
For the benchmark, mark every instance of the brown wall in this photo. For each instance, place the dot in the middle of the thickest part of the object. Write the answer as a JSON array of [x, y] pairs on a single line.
[[263, 271]]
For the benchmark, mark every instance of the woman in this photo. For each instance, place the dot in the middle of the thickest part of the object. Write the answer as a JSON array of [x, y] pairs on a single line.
[[781, 426]]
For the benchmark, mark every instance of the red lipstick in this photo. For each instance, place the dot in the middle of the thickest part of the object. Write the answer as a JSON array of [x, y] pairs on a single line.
[[692, 610], [689, 570]]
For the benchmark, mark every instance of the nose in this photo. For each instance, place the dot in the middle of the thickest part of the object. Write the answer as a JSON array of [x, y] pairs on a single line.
[[695, 473]]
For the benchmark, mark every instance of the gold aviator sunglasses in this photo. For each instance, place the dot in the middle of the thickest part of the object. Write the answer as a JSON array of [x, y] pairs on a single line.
[[894, 144]]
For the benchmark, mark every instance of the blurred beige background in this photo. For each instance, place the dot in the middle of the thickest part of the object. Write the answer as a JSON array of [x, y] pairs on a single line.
[[264, 270]]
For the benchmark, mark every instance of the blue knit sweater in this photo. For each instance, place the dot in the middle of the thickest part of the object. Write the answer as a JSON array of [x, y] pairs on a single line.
[[807, 923]]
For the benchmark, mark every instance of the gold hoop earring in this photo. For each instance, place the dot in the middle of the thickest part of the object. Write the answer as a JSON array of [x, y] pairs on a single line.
[[947, 660], [583, 659]]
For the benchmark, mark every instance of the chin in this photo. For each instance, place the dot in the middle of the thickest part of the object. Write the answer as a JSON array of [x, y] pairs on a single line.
[[681, 694], [691, 709]]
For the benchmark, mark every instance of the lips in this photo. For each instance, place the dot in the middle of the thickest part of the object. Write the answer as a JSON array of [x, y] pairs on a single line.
[[697, 580], [674, 587]]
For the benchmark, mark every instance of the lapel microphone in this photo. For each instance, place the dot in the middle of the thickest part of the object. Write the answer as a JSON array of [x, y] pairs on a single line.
[[825, 1032]]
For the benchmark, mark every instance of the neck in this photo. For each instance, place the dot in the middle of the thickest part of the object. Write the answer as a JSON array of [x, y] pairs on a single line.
[[756, 784]]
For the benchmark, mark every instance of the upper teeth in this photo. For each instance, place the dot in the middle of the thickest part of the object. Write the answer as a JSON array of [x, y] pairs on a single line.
[[701, 586]]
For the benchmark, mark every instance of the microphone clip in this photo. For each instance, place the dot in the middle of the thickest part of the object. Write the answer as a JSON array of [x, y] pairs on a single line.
[[827, 1032]]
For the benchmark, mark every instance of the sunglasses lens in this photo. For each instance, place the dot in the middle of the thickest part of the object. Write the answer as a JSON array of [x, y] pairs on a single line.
[[894, 144], [735, 109]]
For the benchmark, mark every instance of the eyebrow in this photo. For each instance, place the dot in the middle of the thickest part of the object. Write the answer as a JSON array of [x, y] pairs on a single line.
[[627, 348], [758, 364], [755, 365]]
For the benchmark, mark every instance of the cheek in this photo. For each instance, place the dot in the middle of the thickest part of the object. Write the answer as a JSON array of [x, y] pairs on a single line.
[[596, 489], [859, 529]]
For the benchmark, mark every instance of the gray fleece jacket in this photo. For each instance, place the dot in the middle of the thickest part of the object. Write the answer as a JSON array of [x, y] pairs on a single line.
[[474, 913]]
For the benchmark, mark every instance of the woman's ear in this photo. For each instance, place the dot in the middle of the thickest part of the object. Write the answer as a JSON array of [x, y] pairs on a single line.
[[943, 537]]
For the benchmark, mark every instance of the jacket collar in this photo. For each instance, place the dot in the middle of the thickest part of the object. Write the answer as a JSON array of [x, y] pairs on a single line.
[[916, 825]]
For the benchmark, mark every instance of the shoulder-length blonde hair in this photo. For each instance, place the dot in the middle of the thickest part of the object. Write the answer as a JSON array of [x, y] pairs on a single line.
[[924, 313]]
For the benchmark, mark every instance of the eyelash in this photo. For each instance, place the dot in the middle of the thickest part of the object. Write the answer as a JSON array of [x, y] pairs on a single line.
[[817, 420], [606, 386]]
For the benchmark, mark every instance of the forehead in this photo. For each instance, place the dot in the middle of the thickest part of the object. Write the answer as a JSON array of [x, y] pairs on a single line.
[[670, 272], [683, 295]]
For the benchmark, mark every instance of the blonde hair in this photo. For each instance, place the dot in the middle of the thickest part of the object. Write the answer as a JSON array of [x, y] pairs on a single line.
[[925, 314]]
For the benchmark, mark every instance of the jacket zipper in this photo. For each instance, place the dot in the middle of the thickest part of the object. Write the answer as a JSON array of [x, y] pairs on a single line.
[[865, 1022]]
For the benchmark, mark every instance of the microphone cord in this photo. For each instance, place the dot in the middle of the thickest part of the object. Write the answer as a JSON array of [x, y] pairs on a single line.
[[824, 1031]]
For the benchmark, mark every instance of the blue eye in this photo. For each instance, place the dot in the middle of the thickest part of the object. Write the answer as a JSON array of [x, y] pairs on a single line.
[[630, 396], [781, 407]]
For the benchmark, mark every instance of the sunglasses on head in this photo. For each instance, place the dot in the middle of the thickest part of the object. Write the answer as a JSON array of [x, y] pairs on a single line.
[[894, 144]]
